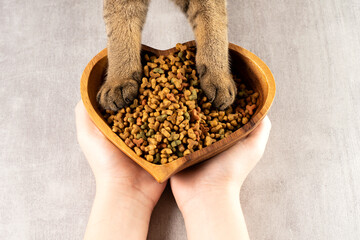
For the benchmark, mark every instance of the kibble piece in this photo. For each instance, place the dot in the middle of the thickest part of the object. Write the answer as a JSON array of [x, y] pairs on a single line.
[[187, 152], [150, 158], [245, 120], [129, 143], [209, 140], [161, 118], [251, 108], [192, 143], [138, 151], [166, 151]]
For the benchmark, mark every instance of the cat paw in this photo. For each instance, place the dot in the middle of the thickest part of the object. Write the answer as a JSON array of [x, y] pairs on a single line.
[[114, 95], [219, 88]]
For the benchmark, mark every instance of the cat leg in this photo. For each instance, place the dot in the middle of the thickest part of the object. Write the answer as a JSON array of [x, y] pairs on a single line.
[[124, 21], [208, 19]]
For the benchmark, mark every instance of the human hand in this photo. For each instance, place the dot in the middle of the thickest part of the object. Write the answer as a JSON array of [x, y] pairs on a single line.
[[208, 194], [224, 172], [123, 189], [111, 167]]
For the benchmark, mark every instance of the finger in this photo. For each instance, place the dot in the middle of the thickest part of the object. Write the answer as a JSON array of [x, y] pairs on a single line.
[[255, 141], [91, 140], [84, 125], [259, 137]]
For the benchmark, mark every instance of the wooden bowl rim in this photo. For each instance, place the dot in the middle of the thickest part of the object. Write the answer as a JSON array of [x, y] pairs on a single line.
[[163, 172]]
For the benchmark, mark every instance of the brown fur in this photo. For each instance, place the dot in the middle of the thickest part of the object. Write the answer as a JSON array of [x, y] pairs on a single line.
[[124, 20]]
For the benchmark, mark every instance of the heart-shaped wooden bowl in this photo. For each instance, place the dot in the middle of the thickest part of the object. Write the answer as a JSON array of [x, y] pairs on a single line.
[[244, 64]]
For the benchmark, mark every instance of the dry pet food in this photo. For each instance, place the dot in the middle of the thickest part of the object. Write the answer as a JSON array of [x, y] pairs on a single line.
[[171, 116]]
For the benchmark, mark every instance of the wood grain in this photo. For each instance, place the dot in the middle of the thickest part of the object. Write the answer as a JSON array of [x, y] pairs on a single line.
[[244, 64]]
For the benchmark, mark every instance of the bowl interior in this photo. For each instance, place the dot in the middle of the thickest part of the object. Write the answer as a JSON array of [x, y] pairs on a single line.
[[244, 64]]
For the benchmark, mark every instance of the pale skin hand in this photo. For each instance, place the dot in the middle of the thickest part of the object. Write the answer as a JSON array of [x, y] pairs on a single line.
[[125, 193], [208, 194]]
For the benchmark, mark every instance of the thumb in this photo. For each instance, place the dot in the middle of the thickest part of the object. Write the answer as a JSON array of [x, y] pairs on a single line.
[[258, 138], [253, 145]]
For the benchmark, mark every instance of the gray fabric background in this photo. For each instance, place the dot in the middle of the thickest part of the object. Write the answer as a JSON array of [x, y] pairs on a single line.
[[305, 187]]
